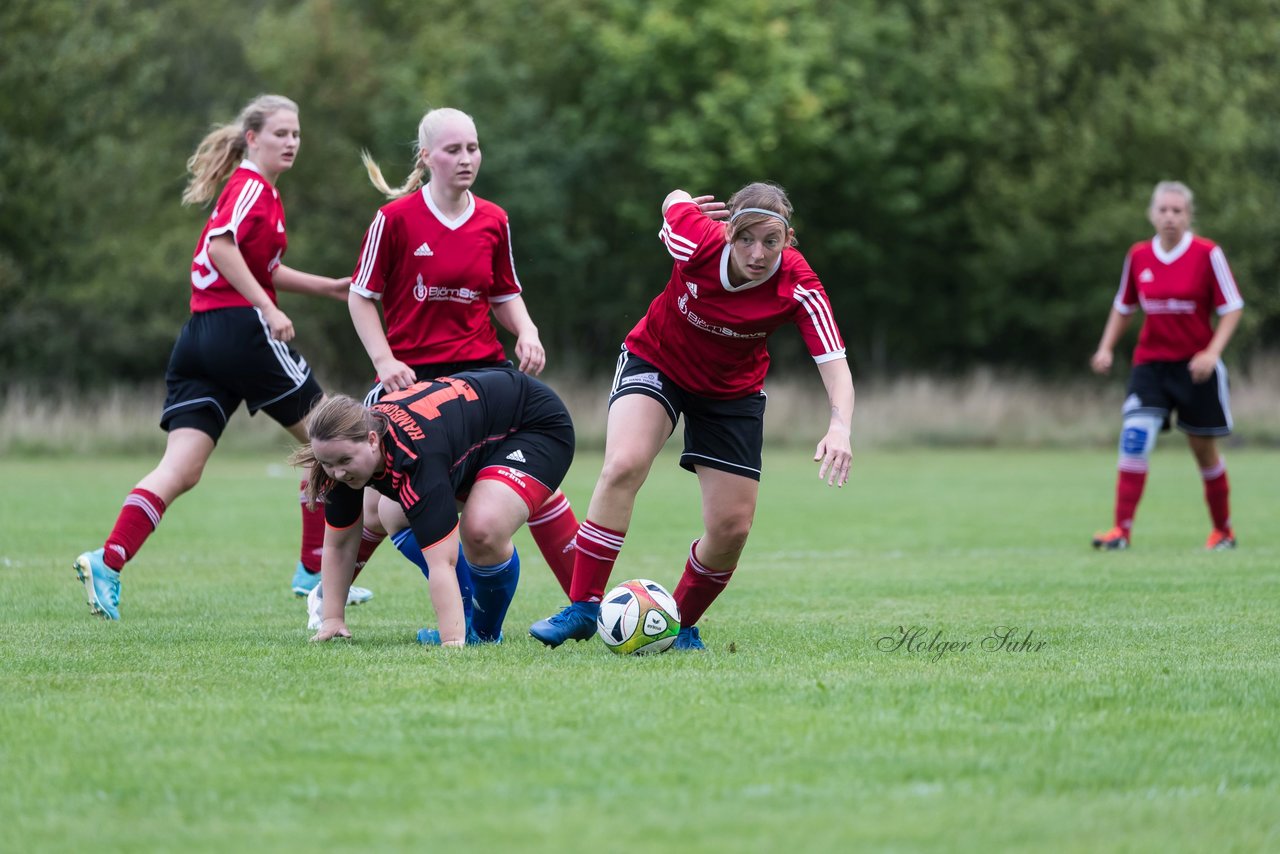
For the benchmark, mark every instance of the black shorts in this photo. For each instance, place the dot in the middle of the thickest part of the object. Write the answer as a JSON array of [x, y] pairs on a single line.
[[1159, 388], [226, 356], [437, 369], [727, 435], [543, 444]]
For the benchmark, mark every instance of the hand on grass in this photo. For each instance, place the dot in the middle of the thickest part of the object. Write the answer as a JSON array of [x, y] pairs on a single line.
[[331, 628]]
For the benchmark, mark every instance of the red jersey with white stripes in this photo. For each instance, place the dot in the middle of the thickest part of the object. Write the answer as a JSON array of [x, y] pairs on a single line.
[[707, 334], [437, 278], [250, 210], [1177, 291]]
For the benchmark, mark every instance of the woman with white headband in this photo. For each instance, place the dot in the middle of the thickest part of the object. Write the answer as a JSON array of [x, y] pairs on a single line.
[[700, 350]]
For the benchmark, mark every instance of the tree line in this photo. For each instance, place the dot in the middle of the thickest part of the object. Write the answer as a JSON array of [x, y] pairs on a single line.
[[966, 177]]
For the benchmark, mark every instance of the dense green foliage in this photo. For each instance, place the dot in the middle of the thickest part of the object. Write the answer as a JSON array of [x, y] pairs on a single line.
[[966, 177], [204, 721]]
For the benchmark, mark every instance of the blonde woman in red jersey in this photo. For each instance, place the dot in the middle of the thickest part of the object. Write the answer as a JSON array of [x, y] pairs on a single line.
[[438, 260], [1180, 280], [700, 351], [234, 348]]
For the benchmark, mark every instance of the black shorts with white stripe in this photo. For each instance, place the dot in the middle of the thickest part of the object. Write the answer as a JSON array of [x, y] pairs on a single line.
[[726, 435], [227, 356]]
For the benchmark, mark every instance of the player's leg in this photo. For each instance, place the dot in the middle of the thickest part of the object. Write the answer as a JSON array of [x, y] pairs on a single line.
[[728, 509], [1145, 411], [397, 525], [1204, 416], [554, 527], [187, 449], [637, 427], [491, 516], [724, 442]]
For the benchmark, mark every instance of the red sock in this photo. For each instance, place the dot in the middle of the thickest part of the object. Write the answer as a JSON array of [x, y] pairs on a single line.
[[1129, 487], [698, 588], [553, 528], [369, 541], [1217, 494], [595, 549], [139, 516], [312, 534]]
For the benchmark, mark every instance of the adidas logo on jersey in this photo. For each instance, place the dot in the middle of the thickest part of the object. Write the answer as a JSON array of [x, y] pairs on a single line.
[[423, 250], [1146, 276], [693, 289], [516, 456]]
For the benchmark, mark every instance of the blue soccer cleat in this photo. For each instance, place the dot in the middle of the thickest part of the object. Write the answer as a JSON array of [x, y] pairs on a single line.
[[431, 637], [688, 639], [101, 584], [304, 582], [576, 622]]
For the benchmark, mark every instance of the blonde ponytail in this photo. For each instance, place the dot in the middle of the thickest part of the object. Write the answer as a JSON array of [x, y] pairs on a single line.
[[413, 182], [222, 149]]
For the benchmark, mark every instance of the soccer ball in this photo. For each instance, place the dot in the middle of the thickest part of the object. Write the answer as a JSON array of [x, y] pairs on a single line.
[[638, 617]]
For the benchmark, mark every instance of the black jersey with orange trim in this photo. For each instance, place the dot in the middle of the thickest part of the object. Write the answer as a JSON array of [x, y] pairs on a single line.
[[440, 431]]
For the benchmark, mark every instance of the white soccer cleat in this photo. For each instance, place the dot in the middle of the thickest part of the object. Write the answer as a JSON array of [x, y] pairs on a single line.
[[315, 603]]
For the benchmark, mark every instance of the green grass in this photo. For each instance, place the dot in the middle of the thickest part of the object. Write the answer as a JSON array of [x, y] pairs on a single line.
[[205, 722]]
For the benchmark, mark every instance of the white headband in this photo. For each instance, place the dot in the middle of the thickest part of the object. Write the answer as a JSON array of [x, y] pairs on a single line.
[[774, 214]]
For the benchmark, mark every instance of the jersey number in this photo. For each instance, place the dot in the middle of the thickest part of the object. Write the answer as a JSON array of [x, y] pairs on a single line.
[[429, 405], [202, 273]]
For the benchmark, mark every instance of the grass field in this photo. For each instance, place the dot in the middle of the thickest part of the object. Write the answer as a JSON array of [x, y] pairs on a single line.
[[1141, 716]]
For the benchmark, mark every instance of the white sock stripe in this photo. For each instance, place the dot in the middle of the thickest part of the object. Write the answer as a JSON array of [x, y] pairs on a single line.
[[371, 536], [592, 534], [549, 511], [146, 507], [118, 549], [1215, 471], [610, 557], [1133, 466], [599, 533]]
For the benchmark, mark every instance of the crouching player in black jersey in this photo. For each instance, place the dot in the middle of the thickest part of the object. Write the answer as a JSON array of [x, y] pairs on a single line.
[[494, 443]]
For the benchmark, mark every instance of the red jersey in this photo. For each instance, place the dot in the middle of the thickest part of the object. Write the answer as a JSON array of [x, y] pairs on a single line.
[[1177, 291], [250, 210], [707, 334], [437, 278]]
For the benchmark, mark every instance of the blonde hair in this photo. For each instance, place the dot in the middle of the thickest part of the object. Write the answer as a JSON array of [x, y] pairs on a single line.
[[1173, 187], [223, 148], [763, 195], [428, 129], [337, 417]]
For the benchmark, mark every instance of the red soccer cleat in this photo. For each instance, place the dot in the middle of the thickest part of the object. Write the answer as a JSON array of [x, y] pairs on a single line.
[[1114, 540]]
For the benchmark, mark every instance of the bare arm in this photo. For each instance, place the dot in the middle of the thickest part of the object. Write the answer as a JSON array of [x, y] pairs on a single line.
[[298, 282], [1203, 363], [1117, 323], [337, 569], [442, 560], [394, 374], [226, 257], [513, 314], [835, 451]]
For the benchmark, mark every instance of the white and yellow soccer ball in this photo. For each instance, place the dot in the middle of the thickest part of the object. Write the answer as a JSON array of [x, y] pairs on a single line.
[[638, 617]]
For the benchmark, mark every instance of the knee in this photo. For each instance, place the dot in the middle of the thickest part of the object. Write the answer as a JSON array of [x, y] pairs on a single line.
[[484, 534], [624, 471], [1138, 436], [183, 476], [729, 530]]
